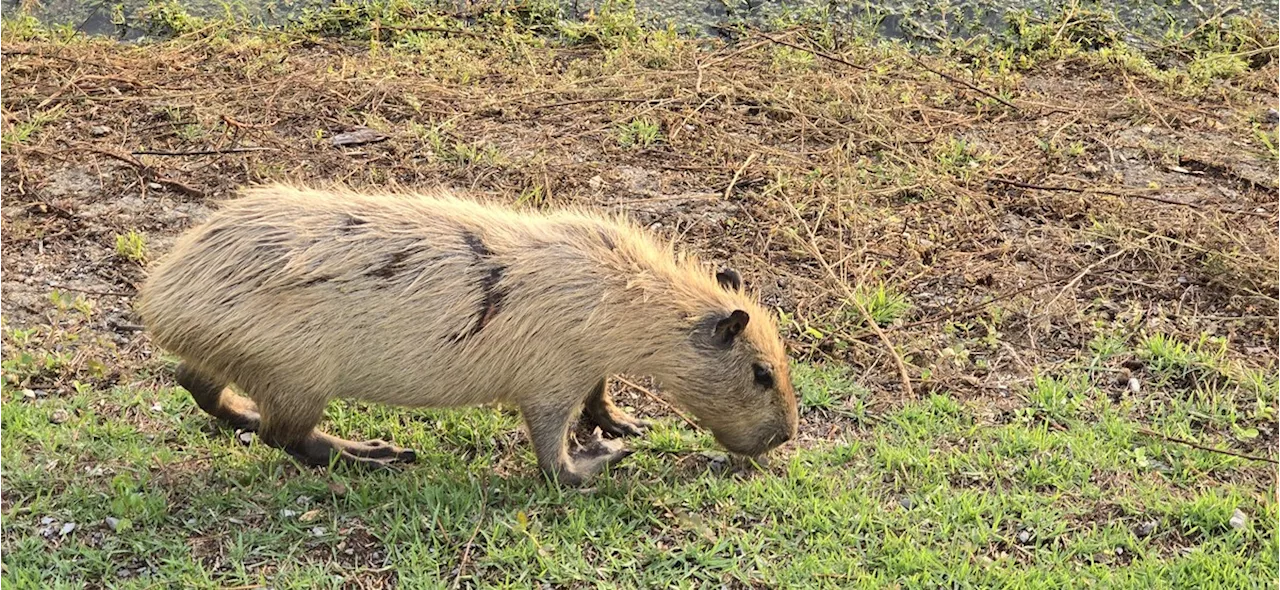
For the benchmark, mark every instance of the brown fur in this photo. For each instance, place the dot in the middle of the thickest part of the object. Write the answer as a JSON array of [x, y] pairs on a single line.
[[299, 296]]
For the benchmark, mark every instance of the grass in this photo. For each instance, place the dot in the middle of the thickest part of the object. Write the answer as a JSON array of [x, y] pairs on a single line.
[[935, 492], [1058, 339], [640, 133], [1267, 139], [21, 132], [132, 246]]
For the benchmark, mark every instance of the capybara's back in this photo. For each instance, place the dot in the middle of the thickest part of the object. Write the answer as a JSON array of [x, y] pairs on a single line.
[[298, 296]]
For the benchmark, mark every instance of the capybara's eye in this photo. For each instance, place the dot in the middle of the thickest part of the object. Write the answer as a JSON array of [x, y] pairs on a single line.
[[764, 377]]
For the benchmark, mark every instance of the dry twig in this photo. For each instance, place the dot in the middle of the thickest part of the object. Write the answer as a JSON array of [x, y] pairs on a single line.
[[466, 549], [1196, 445], [849, 296], [655, 397]]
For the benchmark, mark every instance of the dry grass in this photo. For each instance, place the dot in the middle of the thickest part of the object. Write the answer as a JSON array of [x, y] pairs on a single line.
[[1098, 200]]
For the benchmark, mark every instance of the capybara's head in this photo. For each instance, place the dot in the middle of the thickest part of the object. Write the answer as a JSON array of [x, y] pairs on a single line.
[[737, 379]]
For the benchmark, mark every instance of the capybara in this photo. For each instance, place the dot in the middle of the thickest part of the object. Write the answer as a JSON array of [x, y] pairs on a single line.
[[298, 296]]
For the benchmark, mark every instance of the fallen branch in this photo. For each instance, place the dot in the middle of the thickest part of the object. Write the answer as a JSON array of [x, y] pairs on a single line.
[[728, 190], [90, 292], [596, 100], [1098, 191], [1183, 441], [968, 85], [821, 54], [146, 171], [655, 397], [235, 150], [1080, 275]]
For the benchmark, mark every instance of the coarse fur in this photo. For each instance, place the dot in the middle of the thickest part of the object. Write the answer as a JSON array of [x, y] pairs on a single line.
[[298, 296]]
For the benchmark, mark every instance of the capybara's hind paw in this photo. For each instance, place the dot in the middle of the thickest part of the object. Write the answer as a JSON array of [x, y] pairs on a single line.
[[380, 449], [318, 449], [371, 463]]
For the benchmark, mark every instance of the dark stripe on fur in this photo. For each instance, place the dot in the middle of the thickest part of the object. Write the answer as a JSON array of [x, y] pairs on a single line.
[[490, 288]]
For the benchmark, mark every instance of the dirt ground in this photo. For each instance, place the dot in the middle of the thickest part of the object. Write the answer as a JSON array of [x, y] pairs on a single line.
[[1095, 202]]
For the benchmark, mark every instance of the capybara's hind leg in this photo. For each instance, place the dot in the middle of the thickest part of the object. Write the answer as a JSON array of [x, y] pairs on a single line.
[[600, 411], [293, 431], [215, 399]]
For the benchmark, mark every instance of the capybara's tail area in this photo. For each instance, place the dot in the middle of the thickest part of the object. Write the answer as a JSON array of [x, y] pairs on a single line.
[[214, 396]]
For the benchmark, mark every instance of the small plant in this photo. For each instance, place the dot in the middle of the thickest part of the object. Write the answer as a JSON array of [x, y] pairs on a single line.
[[884, 304], [614, 24], [132, 246], [958, 158], [828, 388], [170, 18], [642, 132], [1053, 399], [1266, 137], [786, 59], [1173, 359], [471, 153], [1207, 514], [22, 132]]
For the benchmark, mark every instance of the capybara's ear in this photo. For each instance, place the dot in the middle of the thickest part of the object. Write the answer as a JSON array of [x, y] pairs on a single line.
[[729, 328], [729, 279]]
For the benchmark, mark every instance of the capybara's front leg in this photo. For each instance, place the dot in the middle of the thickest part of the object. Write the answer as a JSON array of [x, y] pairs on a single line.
[[600, 411], [548, 423]]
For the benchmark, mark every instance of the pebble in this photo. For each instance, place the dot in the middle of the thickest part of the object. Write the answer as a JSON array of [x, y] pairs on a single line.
[[1024, 537], [155, 186], [112, 522], [1238, 520], [1145, 529], [66, 529], [99, 130], [58, 416], [319, 531], [906, 502], [1273, 116]]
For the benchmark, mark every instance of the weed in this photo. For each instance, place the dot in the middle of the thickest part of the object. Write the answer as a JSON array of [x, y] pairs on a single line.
[[829, 388], [642, 133], [1266, 137], [1055, 400], [884, 304], [21, 132], [132, 246], [957, 157]]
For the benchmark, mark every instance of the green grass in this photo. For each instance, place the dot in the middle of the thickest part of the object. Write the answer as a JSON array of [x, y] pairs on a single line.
[[22, 131], [641, 133], [132, 246], [1267, 139], [1064, 492]]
